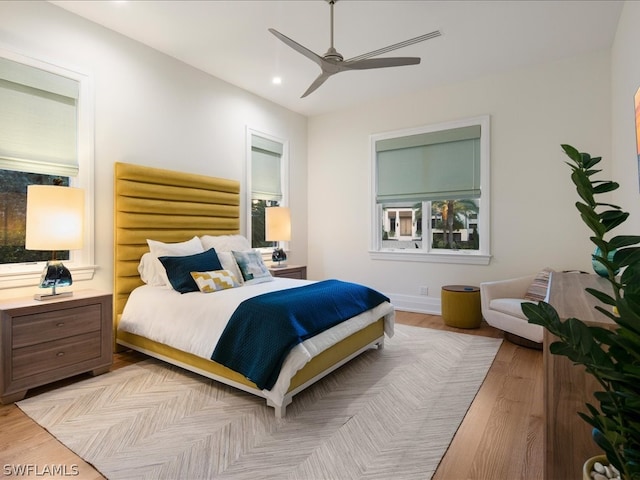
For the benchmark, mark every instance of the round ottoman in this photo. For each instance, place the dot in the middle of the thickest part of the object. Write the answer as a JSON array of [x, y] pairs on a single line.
[[461, 306]]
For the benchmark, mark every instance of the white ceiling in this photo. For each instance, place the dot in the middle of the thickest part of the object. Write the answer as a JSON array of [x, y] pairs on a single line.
[[229, 39]]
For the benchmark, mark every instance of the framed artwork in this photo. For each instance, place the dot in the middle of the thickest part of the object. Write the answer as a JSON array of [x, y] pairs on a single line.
[[637, 104]]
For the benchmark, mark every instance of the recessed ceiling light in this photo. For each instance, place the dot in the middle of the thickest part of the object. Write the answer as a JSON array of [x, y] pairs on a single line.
[[276, 80]]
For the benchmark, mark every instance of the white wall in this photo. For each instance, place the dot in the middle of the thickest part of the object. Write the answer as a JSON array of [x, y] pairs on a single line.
[[534, 221], [625, 81], [151, 109], [154, 110]]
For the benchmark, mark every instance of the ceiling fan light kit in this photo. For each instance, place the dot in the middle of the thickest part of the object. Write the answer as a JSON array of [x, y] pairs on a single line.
[[333, 62]]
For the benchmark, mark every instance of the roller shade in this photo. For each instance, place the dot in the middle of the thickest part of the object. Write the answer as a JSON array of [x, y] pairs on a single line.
[[429, 166], [266, 183], [38, 120]]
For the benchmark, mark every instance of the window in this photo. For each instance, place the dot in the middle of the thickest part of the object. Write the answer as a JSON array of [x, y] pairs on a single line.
[[13, 201], [267, 178], [46, 136], [441, 172]]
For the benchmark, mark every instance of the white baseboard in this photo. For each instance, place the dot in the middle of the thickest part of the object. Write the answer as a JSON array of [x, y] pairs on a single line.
[[416, 303]]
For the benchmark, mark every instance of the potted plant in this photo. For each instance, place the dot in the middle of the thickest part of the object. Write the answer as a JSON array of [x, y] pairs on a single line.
[[611, 356]]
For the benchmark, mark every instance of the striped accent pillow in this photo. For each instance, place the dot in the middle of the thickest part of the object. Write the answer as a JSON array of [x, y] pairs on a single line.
[[214, 281], [537, 291]]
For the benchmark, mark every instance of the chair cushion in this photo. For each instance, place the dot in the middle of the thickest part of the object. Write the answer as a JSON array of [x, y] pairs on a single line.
[[508, 306]]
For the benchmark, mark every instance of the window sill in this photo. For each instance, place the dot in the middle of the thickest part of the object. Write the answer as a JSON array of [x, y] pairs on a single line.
[[444, 257], [29, 275]]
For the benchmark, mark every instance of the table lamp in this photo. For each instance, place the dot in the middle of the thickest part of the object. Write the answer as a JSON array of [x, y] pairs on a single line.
[[278, 229], [55, 217]]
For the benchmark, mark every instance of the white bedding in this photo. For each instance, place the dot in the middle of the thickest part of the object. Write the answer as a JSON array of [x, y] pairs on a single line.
[[193, 322]]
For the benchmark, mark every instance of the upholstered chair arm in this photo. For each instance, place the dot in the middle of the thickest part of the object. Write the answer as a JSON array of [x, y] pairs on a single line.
[[511, 288]]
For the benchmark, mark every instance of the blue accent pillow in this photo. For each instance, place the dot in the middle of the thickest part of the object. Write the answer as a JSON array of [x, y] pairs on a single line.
[[179, 269], [252, 267]]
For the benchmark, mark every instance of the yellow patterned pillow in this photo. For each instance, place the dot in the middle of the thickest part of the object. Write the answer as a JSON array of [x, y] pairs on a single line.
[[214, 281]]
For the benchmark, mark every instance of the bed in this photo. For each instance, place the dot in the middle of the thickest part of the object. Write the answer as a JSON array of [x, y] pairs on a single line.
[[173, 207]]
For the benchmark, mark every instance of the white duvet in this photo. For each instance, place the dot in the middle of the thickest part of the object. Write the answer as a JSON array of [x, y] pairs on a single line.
[[193, 322]]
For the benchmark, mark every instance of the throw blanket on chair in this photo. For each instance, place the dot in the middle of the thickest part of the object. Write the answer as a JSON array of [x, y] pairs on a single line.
[[263, 329]]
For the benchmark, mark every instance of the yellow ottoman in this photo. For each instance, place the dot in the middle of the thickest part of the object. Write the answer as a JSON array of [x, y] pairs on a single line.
[[461, 306]]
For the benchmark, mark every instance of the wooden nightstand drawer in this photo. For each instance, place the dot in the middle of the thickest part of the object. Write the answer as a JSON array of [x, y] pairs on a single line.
[[45, 357], [44, 327], [290, 271]]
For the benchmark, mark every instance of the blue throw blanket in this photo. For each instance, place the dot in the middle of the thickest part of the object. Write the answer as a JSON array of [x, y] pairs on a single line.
[[263, 329]]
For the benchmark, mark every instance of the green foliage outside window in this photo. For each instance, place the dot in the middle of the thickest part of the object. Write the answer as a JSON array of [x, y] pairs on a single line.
[[13, 208], [258, 222]]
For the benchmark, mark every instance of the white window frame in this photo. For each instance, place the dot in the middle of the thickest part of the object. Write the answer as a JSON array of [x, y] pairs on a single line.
[[426, 254], [284, 182], [81, 262]]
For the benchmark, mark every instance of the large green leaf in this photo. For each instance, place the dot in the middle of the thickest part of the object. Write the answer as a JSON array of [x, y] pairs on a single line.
[[572, 153], [603, 297], [579, 335], [627, 256], [591, 219], [601, 244], [611, 219], [542, 314], [604, 187], [591, 161], [624, 241], [583, 186]]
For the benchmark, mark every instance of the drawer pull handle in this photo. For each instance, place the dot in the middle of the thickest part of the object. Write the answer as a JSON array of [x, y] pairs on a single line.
[[60, 354], [61, 324]]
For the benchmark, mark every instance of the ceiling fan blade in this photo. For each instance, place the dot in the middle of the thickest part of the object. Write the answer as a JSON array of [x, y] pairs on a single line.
[[380, 63], [396, 46], [297, 47], [316, 83]]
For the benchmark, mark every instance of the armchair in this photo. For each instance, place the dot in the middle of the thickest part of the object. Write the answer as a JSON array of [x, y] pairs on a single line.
[[501, 306]]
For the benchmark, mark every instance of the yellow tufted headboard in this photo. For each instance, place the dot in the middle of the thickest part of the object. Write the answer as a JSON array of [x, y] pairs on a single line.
[[168, 206]]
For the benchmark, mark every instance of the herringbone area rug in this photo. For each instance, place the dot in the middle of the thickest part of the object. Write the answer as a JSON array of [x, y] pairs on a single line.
[[387, 414]]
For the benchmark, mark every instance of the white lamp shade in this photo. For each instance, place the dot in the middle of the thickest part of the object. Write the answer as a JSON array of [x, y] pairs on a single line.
[[277, 224], [55, 216]]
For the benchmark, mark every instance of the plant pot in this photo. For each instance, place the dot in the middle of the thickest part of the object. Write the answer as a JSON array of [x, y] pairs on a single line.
[[587, 468]]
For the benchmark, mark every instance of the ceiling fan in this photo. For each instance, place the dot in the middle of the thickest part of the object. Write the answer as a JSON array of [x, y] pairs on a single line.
[[333, 62]]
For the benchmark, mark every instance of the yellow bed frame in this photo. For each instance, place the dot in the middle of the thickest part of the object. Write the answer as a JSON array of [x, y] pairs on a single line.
[[172, 206]]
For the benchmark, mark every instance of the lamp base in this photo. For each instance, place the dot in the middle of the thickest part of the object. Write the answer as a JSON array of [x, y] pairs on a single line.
[[279, 256], [51, 296], [55, 275]]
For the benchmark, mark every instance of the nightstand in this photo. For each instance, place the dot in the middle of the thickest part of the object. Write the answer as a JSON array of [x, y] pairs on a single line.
[[290, 271], [46, 341]]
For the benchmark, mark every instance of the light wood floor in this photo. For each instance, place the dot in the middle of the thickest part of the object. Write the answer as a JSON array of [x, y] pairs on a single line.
[[499, 439]]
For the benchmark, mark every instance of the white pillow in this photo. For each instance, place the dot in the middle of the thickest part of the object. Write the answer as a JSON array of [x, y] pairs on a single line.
[[151, 270], [179, 249], [225, 243], [539, 288], [228, 262]]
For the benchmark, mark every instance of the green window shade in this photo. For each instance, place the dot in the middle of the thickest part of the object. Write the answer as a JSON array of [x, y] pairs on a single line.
[[430, 166], [265, 169], [38, 120]]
